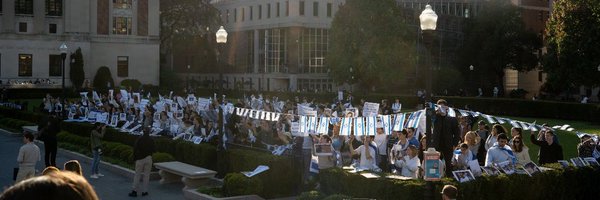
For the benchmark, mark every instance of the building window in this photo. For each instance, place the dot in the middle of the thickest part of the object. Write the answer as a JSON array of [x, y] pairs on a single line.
[[287, 8], [259, 11], [54, 64], [227, 16], [277, 11], [235, 15], [275, 52], [23, 27], [251, 13], [54, 7], [301, 8], [122, 25], [314, 47], [24, 7], [52, 28], [123, 66], [316, 9], [122, 4], [268, 10], [25, 62], [243, 14], [329, 9]]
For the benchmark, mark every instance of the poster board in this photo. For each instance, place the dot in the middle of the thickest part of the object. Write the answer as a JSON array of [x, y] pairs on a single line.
[[370, 109]]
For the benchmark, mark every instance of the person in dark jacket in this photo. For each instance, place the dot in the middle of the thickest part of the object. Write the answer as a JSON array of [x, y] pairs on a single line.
[[446, 133], [142, 154], [48, 135], [550, 151]]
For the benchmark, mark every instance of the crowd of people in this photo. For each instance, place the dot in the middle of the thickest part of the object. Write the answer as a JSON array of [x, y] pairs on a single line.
[[215, 122], [179, 117]]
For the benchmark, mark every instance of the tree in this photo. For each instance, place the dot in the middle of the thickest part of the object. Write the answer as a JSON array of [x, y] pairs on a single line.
[[186, 20], [371, 38], [76, 73], [103, 79], [496, 39], [573, 35]]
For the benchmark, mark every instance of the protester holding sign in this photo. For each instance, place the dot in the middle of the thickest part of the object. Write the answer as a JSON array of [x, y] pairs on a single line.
[[410, 163], [366, 152]]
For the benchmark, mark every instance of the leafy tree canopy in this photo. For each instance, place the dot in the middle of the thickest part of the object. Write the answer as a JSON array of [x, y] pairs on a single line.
[[187, 18], [371, 38], [573, 33], [496, 39]]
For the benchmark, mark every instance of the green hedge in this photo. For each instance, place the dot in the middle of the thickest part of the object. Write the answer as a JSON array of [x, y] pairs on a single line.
[[281, 173], [237, 184], [570, 183], [13, 124], [21, 115]]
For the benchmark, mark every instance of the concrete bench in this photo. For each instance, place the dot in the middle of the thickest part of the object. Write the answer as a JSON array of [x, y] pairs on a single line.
[[32, 129], [191, 176]]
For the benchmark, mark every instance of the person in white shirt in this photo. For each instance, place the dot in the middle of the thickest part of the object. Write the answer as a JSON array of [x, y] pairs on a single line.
[[381, 143], [29, 155], [397, 106], [410, 163], [500, 152], [461, 157], [367, 154], [521, 151]]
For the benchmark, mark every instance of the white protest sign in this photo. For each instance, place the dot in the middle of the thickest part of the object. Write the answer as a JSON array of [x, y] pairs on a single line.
[[191, 99], [203, 104], [340, 95], [370, 109], [295, 129]]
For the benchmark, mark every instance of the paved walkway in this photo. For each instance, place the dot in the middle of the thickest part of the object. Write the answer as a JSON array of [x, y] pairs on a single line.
[[111, 186]]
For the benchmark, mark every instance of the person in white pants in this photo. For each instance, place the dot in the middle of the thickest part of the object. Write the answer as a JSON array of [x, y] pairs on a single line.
[[142, 154]]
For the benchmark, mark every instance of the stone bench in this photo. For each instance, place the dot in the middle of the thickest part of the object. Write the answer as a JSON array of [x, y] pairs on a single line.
[[32, 129], [191, 176]]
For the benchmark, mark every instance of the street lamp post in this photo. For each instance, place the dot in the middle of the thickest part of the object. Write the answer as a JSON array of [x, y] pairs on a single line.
[[428, 20], [221, 40], [63, 55], [221, 37], [471, 81], [351, 80]]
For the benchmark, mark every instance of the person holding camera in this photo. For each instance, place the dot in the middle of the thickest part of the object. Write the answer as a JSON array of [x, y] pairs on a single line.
[[446, 133], [96, 143]]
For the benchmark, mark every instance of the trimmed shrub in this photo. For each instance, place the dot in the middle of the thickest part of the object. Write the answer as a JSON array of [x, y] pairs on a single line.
[[237, 184], [518, 93], [102, 78], [162, 157], [570, 183], [76, 74], [248, 160], [310, 195], [133, 83]]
